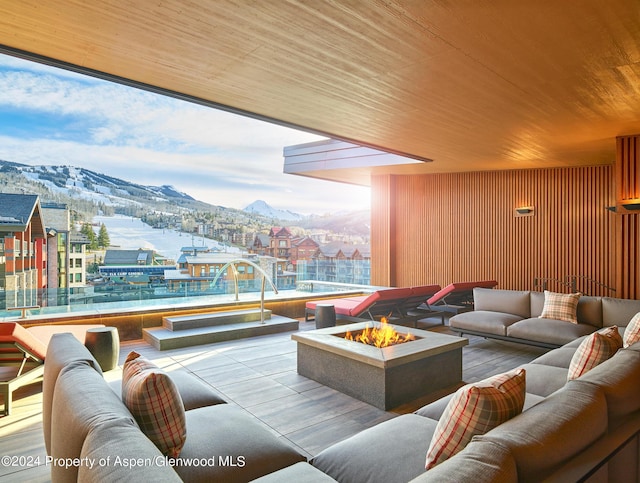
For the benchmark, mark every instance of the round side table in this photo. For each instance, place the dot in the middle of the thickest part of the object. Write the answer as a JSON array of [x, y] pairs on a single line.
[[325, 316], [104, 345]]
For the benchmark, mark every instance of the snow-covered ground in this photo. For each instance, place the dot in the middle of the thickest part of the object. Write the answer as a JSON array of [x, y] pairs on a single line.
[[130, 233]]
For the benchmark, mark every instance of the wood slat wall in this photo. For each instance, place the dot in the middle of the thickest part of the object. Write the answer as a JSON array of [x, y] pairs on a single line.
[[627, 185], [627, 168], [445, 228]]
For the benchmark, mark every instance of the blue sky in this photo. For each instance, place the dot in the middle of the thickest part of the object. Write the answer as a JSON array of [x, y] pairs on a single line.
[[50, 116]]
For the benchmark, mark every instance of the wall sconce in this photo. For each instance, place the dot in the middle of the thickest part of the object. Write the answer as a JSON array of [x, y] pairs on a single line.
[[524, 211], [631, 205]]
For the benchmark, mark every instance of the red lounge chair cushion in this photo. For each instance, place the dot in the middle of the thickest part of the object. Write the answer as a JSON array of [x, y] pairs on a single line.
[[13, 332], [460, 287]]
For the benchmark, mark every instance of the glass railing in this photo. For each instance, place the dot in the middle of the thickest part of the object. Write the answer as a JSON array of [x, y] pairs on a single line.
[[110, 298]]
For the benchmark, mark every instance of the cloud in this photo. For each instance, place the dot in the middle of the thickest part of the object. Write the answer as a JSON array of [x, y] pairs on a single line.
[[145, 138]]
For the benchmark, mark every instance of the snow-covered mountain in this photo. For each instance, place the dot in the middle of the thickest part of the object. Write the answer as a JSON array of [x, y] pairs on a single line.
[[260, 207], [69, 182]]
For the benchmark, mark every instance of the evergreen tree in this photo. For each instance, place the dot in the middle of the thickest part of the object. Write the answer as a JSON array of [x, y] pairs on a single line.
[[103, 237], [87, 230]]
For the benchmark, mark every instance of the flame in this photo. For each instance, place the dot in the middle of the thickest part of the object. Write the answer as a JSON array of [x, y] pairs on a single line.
[[384, 336]]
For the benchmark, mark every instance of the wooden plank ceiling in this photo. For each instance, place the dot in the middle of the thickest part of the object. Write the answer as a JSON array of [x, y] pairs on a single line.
[[471, 84]]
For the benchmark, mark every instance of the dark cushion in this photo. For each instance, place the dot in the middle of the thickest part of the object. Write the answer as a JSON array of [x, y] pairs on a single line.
[[243, 448], [507, 301], [478, 462], [484, 321], [393, 451], [546, 435], [549, 331]]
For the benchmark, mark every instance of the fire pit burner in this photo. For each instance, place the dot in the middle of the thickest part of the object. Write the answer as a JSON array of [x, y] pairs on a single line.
[[384, 377]]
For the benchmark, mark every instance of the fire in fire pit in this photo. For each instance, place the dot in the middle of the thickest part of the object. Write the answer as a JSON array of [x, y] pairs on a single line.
[[384, 336]]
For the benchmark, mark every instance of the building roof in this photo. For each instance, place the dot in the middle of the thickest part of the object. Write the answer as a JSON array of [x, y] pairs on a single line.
[[263, 239], [17, 211], [128, 257]]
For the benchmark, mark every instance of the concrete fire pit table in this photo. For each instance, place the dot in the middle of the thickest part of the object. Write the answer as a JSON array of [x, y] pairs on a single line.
[[383, 377]]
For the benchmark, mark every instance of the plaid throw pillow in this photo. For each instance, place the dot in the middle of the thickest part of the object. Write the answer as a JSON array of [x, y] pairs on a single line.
[[153, 400], [632, 331], [560, 306], [475, 409], [594, 349]]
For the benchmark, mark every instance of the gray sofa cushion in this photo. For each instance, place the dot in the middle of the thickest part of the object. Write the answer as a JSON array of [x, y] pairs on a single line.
[[484, 321], [507, 301], [78, 412], [479, 462], [62, 349], [195, 393], [549, 331], [298, 473], [588, 311], [393, 451], [545, 436], [114, 444], [618, 311], [619, 379], [233, 437], [560, 357], [435, 409], [545, 380]]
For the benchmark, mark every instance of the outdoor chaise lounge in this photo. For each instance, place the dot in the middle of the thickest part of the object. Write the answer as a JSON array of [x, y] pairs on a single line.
[[384, 302], [22, 354], [455, 298]]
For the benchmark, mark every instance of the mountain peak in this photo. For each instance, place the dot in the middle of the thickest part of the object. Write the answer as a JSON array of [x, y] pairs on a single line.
[[261, 207]]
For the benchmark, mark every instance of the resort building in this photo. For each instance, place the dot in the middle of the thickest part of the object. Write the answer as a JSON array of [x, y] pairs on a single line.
[[23, 251]]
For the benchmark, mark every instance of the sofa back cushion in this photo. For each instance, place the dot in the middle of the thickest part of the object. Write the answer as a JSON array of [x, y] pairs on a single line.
[[547, 434], [478, 462], [62, 350], [112, 446], [589, 309], [82, 401], [618, 378], [506, 301], [618, 311]]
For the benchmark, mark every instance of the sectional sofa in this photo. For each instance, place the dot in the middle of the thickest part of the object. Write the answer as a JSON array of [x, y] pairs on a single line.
[[91, 436], [585, 429], [515, 316]]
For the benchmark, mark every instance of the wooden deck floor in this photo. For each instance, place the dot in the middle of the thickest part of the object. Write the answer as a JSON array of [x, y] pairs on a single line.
[[259, 375]]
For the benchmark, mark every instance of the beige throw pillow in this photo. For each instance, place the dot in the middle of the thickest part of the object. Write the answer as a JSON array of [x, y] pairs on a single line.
[[593, 350], [632, 331], [560, 306]]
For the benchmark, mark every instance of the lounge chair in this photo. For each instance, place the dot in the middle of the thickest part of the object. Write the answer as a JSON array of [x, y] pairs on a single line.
[[385, 302], [21, 360], [455, 298], [22, 354]]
